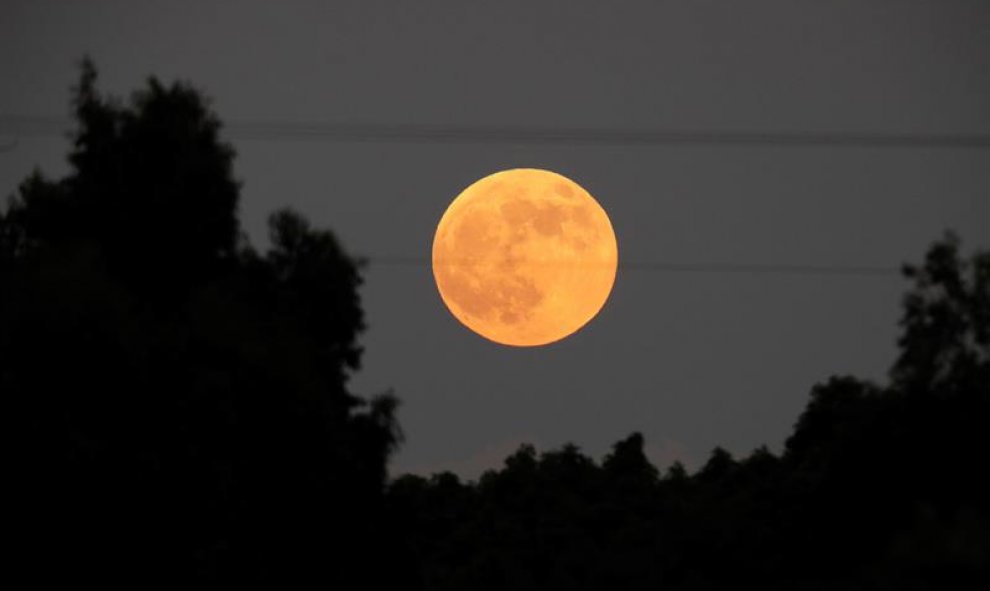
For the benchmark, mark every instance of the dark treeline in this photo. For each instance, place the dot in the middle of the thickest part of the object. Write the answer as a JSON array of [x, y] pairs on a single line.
[[180, 413], [878, 487]]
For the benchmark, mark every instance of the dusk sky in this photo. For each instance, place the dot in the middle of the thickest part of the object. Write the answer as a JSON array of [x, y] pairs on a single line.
[[723, 353]]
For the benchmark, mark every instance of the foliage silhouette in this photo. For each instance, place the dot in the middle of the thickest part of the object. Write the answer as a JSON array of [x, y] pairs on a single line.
[[179, 399], [180, 413], [878, 487]]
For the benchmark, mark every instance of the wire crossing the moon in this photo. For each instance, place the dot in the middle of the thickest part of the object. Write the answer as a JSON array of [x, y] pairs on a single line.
[[43, 126], [670, 267]]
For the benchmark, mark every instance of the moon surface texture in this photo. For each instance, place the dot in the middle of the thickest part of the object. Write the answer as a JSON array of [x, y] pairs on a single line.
[[524, 257]]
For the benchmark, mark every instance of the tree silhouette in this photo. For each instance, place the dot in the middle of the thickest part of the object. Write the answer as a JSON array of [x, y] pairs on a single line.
[[878, 487], [945, 343], [179, 399], [179, 411]]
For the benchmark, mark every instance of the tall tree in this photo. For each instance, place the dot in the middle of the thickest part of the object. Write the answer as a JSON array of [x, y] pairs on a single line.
[[180, 399]]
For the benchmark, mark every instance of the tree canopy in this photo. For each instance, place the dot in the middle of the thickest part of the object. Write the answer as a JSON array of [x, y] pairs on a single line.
[[878, 486], [180, 399], [180, 412]]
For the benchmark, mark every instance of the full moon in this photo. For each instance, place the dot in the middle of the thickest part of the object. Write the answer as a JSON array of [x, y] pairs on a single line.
[[524, 257]]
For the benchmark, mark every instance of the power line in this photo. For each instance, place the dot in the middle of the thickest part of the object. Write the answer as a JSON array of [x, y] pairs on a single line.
[[669, 267], [258, 130], [765, 269], [24, 125]]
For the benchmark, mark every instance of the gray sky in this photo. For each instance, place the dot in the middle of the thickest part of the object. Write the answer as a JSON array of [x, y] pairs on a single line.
[[692, 360]]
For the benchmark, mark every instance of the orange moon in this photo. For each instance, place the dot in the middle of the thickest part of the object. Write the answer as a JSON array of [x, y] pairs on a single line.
[[524, 257]]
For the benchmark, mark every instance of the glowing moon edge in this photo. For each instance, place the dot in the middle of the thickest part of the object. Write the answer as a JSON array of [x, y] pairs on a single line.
[[524, 257]]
